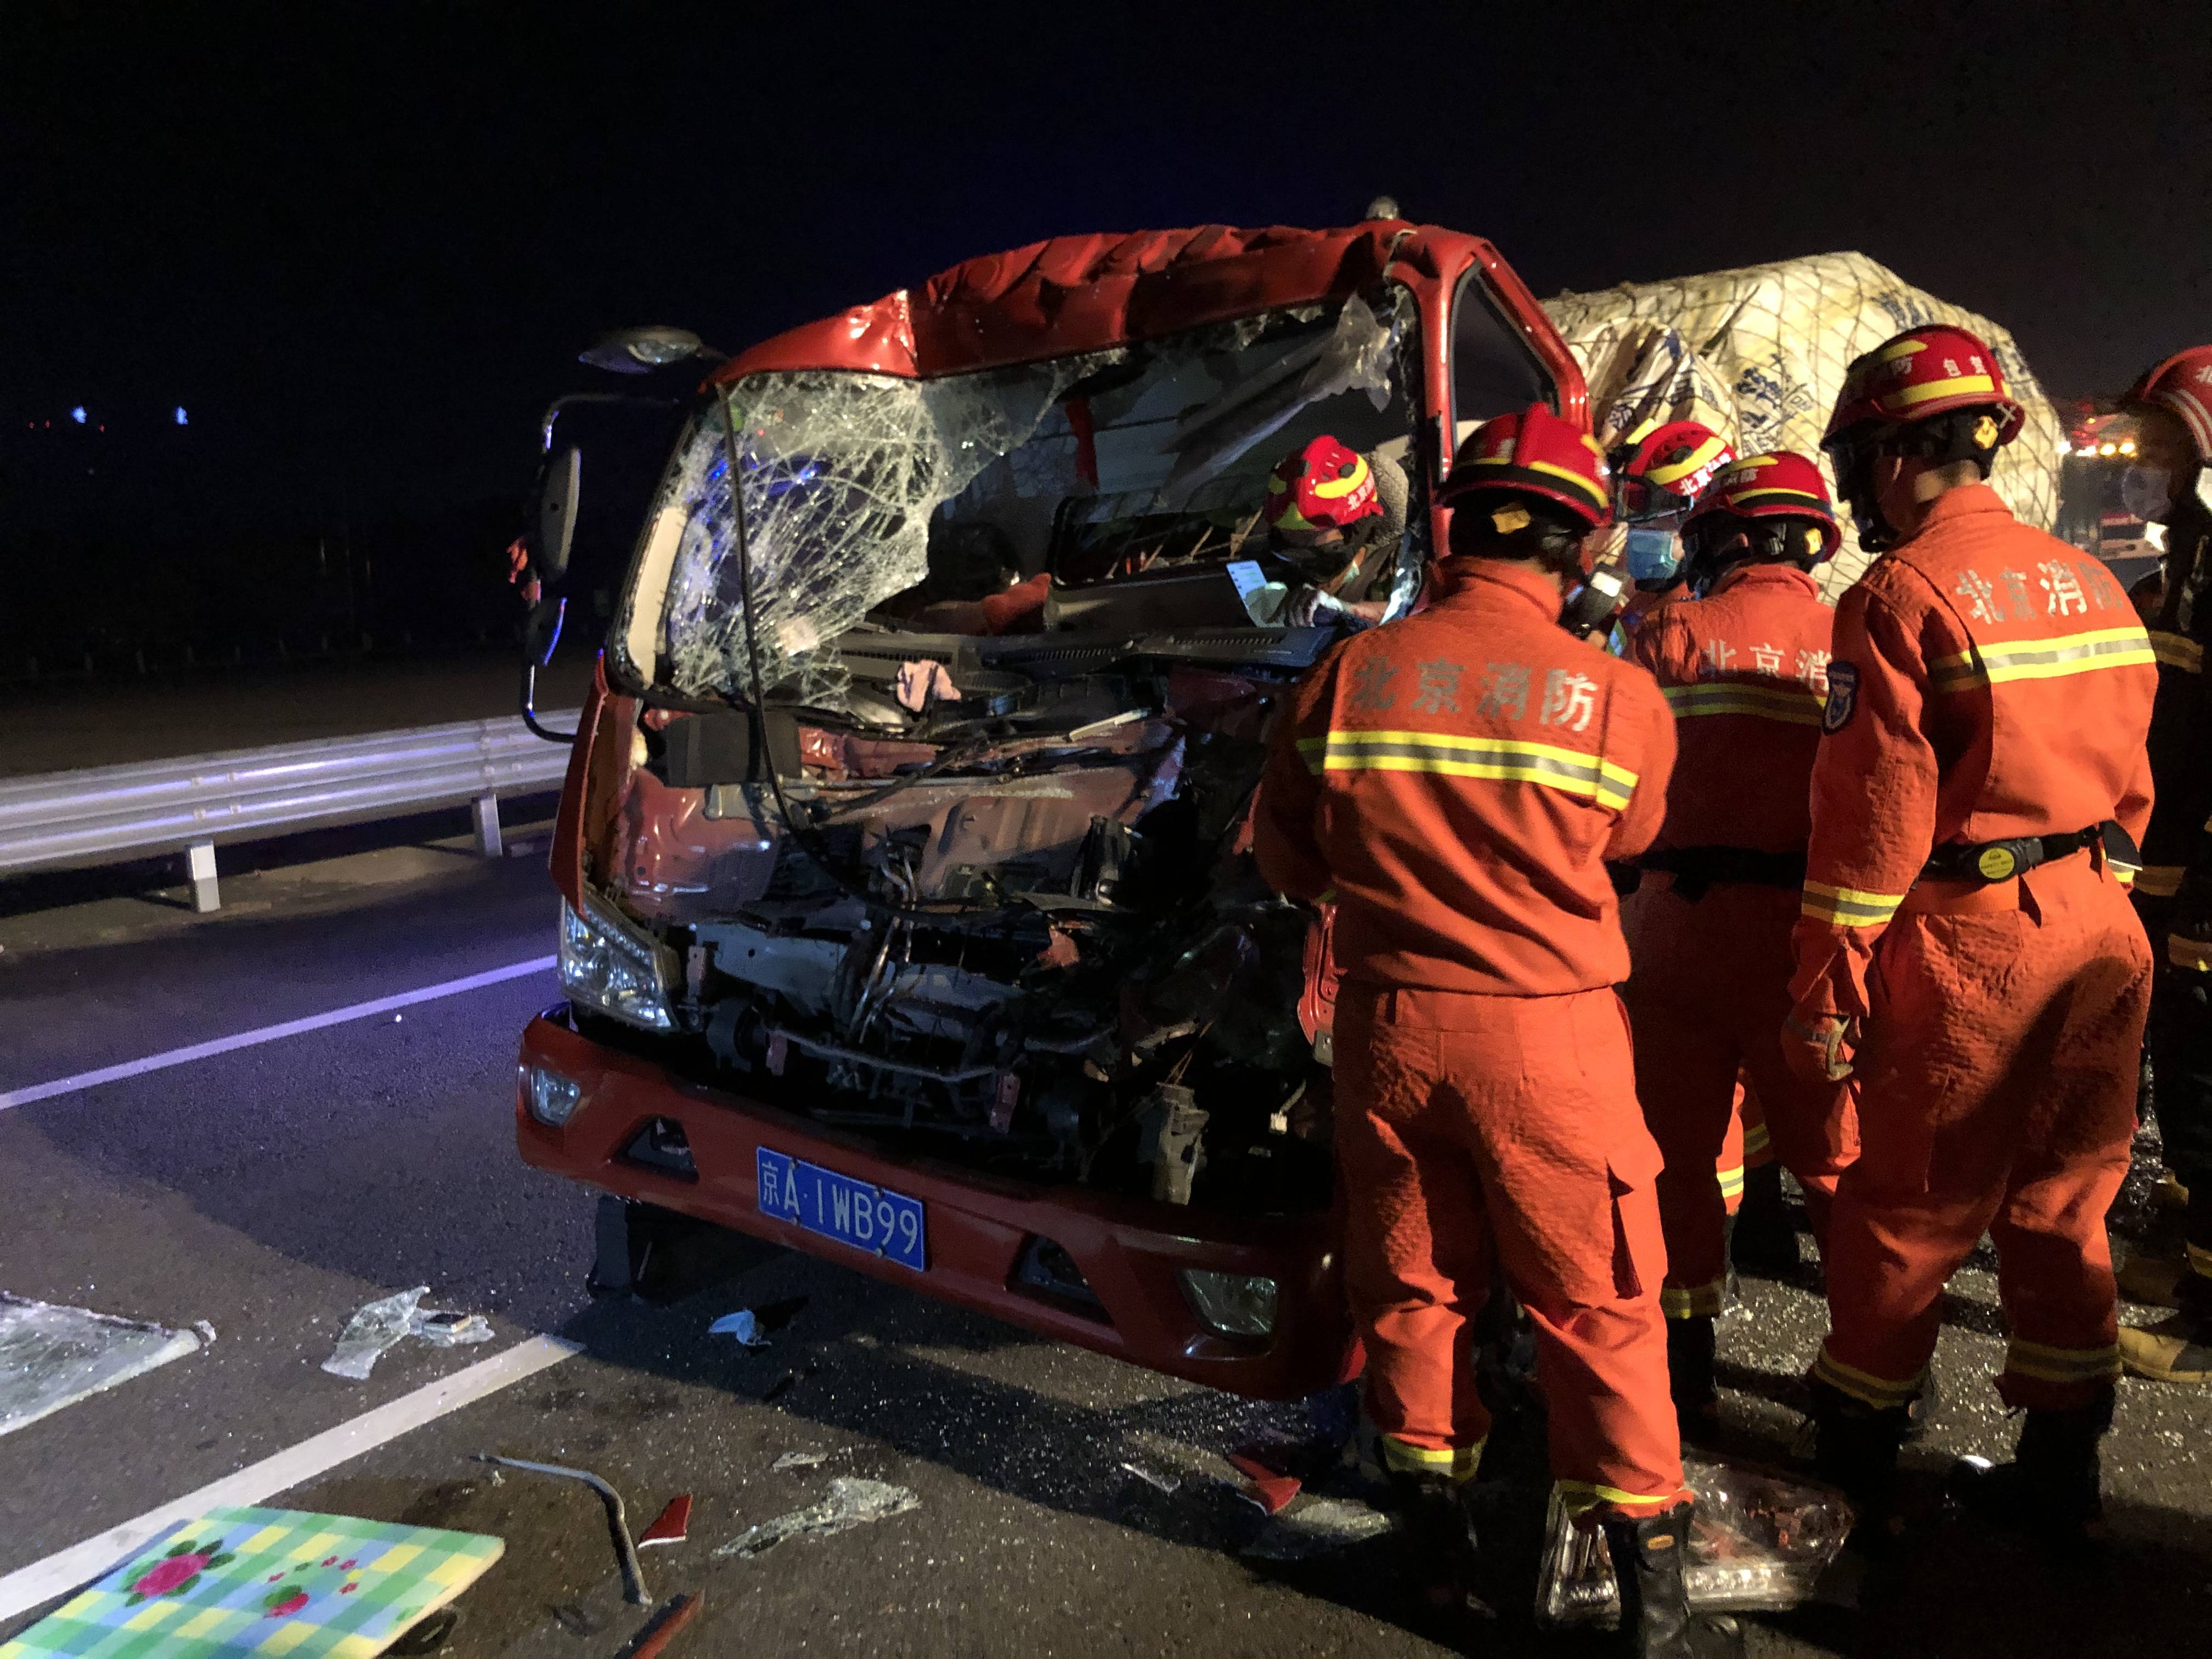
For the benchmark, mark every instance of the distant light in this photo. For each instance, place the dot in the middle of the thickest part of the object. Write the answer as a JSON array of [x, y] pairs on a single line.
[[78, 414], [2065, 449], [181, 421], [2127, 445], [2108, 449]]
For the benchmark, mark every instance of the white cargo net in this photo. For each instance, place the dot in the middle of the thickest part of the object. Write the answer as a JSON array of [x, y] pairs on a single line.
[[1759, 354]]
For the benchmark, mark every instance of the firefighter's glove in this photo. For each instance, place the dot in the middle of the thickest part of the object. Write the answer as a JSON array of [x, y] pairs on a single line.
[[1819, 1047]]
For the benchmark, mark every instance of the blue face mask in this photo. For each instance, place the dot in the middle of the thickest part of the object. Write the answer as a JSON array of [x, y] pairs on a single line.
[[1653, 556]]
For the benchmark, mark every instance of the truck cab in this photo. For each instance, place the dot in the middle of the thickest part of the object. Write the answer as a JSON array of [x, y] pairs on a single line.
[[936, 949]]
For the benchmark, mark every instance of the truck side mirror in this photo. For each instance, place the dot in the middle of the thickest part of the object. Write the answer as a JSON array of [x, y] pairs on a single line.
[[558, 489]]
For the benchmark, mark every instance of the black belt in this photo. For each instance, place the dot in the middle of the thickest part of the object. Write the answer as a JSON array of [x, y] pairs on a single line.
[[1991, 861], [1696, 868]]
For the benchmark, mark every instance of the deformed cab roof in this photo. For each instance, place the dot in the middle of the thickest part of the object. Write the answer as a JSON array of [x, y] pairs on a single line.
[[1078, 294]]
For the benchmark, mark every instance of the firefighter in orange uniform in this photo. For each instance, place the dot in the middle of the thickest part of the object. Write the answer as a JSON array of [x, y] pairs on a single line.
[[2170, 483], [1457, 781], [1966, 943], [1744, 667]]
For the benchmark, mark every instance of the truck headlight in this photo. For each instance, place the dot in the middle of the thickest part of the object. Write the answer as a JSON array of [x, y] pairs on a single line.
[[611, 965], [1235, 1304]]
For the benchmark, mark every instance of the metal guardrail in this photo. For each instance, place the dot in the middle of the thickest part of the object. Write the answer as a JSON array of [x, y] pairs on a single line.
[[105, 814]]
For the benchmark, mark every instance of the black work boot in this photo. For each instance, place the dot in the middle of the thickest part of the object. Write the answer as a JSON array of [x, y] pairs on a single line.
[[1440, 1550], [1690, 1377], [1764, 1239], [1855, 1449], [1649, 1558], [2050, 1488]]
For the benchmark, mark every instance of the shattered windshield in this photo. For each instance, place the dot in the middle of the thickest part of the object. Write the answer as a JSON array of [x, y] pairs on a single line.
[[864, 494]]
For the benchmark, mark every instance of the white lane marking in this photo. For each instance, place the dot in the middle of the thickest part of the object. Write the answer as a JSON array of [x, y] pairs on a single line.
[[451, 987], [64, 1570]]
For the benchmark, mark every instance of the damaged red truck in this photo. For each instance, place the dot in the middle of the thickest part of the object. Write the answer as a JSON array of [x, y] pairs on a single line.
[[986, 997]]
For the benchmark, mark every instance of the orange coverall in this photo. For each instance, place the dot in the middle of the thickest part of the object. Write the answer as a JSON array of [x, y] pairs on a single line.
[[1988, 682], [1744, 670], [1458, 779]]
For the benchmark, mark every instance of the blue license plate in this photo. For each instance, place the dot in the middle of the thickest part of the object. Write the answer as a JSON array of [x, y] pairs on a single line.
[[871, 1218]]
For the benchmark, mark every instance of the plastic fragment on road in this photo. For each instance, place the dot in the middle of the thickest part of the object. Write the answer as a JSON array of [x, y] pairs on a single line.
[[378, 1326], [672, 1526], [1316, 1526], [660, 1630], [1759, 1541], [852, 1502], [743, 1325], [798, 1460], [272, 1581], [1153, 1478], [53, 1356], [1266, 1485]]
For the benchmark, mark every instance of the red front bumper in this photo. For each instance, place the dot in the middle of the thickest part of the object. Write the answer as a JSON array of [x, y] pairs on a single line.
[[978, 1227]]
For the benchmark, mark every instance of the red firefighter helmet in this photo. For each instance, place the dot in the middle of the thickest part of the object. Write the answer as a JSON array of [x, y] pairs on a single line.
[[1664, 467], [1324, 486], [1919, 375], [1534, 452], [1775, 485], [2182, 386]]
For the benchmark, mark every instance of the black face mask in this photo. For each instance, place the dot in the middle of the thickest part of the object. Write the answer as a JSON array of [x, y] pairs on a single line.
[[1855, 489]]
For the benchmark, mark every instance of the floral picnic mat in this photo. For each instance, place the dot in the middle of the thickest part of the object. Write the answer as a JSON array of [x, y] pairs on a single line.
[[239, 1581]]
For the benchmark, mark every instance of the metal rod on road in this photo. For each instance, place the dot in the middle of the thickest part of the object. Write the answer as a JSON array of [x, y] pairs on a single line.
[[618, 1523]]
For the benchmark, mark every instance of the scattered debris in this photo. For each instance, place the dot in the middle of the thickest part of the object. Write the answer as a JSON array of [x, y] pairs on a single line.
[[660, 1630], [1316, 1526], [53, 1356], [1759, 1541], [743, 1325], [634, 1590], [377, 1326], [206, 1332], [852, 1502], [1154, 1479], [278, 1581], [672, 1526], [798, 1460], [1269, 1486]]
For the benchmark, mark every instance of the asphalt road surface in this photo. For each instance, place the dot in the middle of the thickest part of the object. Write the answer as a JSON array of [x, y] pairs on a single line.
[[271, 1190]]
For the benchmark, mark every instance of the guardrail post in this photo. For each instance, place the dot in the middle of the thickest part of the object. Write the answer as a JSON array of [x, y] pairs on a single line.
[[199, 861], [488, 840]]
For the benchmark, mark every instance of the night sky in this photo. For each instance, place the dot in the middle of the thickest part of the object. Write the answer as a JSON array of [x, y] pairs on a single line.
[[362, 244]]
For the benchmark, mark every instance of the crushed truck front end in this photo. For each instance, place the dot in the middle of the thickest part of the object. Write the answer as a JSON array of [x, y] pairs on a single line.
[[940, 952]]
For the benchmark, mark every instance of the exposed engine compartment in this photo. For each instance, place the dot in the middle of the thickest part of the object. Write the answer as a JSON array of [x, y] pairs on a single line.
[[1029, 936]]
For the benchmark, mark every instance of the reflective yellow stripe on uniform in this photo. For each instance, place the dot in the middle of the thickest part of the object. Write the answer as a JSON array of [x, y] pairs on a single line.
[[1732, 1183], [1848, 907], [1756, 1140], [1500, 758], [1581, 1495], [2042, 660], [2050, 1365], [1458, 1462], [1881, 1392], [1692, 1301], [2159, 880], [2194, 954], [2179, 651], [1789, 704]]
